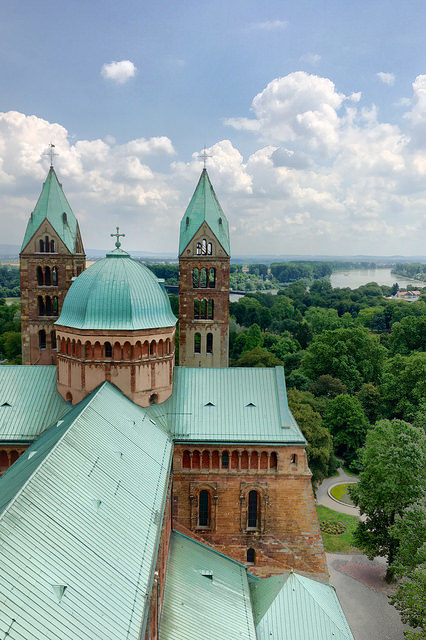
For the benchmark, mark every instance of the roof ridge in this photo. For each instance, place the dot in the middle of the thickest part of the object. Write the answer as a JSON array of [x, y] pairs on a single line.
[[301, 581], [48, 454]]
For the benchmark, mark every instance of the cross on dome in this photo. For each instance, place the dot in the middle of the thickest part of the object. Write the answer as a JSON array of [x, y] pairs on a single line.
[[118, 235], [204, 156], [51, 153]]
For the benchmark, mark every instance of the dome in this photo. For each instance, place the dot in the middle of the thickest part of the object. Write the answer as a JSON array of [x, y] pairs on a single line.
[[116, 293]]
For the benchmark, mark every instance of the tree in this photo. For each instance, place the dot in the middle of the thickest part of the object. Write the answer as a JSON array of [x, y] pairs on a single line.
[[320, 444], [404, 385], [369, 397], [410, 600], [410, 531], [392, 479], [321, 319], [258, 357], [346, 420], [353, 355], [327, 386], [408, 335], [284, 346]]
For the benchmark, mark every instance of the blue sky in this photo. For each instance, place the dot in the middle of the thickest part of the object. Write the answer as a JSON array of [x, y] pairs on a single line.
[[355, 138]]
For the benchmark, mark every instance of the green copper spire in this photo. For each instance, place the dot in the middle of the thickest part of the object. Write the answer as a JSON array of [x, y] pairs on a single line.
[[204, 207], [53, 205]]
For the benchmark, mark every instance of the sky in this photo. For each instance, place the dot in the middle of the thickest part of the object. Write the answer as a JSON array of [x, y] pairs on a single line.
[[313, 113]]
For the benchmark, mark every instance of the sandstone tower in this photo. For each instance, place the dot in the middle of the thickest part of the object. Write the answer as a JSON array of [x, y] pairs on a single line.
[[204, 255], [52, 254]]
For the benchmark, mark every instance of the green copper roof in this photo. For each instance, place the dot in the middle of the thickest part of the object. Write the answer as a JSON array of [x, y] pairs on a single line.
[[29, 401], [52, 204], [80, 519], [292, 606], [204, 207], [116, 293], [197, 606], [232, 405]]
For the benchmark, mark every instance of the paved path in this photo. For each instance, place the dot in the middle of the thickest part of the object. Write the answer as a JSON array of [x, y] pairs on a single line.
[[324, 499], [363, 595]]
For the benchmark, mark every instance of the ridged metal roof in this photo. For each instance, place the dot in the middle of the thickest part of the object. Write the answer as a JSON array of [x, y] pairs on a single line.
[[117, 293], [229, 405], [204, 207], [29, 401], [80, 517], [195, 606], [52, 204], [292, 606]]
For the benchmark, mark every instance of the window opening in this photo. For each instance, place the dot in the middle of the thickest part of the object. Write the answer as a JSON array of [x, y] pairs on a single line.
[[64, 218], [293, 458], [250, 556], [108, 350], [203, 508], [55, 306], [153, 398], [209, 404], [203, 310], [195, 278], [55, 276], [203, 278], [39, 276], [204, 247], [52, 246], [225, 460], [209, 343], [46, 244], [250, 404], [209, 249], [253, 506], [47, 280], [211, 310], [41, 246], [212, 278], [197, 343], [41, 307], [42, 339], [198, 250], [196, 309], [53, 339]]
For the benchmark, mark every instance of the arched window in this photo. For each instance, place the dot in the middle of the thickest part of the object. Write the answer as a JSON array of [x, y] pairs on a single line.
[[215, 460], [254, 460], [47, 279], [46, 244], [203, 508], [273, 460], [42, 339], [211, 310], [152, 348], [127, 351], [251, 556], [41, 246], [53, 339], [55, 306], [195, 278], [253, 510], [212, 278], [205, 460], [203, 310], [48, 306], [225, 460], [41, 307], [293, 458], [204, 247], [195, 459], [209, 343], [55, 276], [209, 249], [153, 398], [198, 250], [52, 246], [203, 278], [196, 309], [197, 343], [14, 455], [40, 276], [108, 350], [263, 460], [68, 397], [4, 460], [234, 460], [186, 460], [244, 460]]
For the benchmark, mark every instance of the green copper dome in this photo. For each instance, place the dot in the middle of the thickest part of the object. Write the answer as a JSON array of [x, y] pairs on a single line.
[[116, 293]]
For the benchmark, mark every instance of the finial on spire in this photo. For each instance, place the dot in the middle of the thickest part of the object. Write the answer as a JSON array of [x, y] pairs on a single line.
[[51, 153], [204, 156], [118, 235]]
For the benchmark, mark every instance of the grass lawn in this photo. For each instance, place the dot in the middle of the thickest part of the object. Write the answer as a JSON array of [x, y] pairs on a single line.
[[340, 492], [338, 543]]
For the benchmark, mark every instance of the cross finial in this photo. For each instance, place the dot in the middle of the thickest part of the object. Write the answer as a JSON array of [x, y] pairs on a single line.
[[51, 153], [118, 235], [204, 156]]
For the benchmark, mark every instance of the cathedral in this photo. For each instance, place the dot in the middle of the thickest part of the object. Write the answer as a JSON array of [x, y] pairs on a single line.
[[140, 499]]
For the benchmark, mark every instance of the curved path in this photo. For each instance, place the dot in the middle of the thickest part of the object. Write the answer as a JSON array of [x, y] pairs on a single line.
[[324, 499]]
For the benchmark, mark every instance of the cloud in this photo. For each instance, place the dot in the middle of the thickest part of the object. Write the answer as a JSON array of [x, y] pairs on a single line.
[[310, 58], [269, 25], [386, 78], [119, 72]]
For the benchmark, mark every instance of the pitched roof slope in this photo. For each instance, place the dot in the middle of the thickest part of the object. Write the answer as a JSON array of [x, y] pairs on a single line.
[[29, 401], [204, 207], [197, 606], [292, 606], [52, 204], [80, 521], [229, 404]]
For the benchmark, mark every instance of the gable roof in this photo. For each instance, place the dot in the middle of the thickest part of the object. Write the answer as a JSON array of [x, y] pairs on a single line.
[[34, 401], [204, 207], [51, 205], [216, 405], [80, 519], [206, 594], [292, 606]]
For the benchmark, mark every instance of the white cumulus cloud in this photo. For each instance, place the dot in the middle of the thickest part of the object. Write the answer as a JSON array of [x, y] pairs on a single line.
[[118, 72], [386, 78], [269, 25]]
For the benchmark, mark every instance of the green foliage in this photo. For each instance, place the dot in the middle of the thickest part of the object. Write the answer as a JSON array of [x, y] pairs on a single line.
[[343, 543], [352, 355], [321, 319], [404, 385], [369, 397], [327, 386], [408, 335], [258, 357], [410, 601], [345, 418], [410, 531], [170, 272], [392, 479], [9, 281], [320, 445]]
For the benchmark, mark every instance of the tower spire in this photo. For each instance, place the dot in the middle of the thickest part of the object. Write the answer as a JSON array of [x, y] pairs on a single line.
[[204, 157], [51, 153]]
